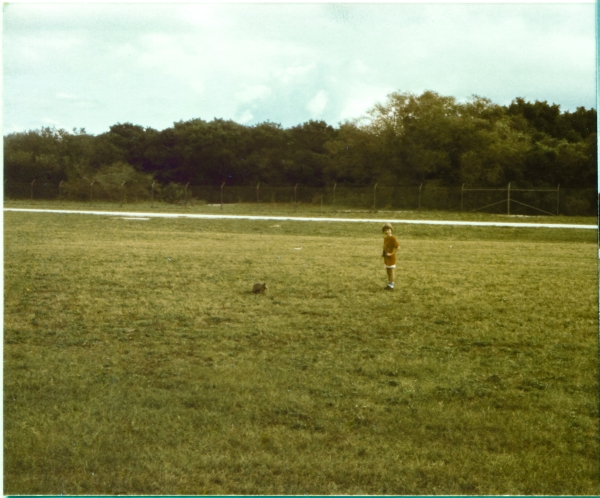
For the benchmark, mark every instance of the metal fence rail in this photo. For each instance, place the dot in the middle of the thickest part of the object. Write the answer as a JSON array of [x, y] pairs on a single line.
[[544, 202], [509, 200]]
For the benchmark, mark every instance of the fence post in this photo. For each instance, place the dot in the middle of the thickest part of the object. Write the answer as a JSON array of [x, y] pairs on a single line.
[[186, 186], [420, 187], [508, 199], [91, 190], [374, 197], [152, 201], [32, 188], [257, 186], [333, 201], [462, 189], [60, 189], [123, 198], [222, 185], [557, 194], [295, 198]]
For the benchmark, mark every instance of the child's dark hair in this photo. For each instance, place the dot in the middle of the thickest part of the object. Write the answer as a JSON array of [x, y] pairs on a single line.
[[386, 226]]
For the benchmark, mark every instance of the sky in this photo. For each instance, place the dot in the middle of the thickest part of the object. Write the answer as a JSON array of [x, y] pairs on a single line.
[[79, 65]]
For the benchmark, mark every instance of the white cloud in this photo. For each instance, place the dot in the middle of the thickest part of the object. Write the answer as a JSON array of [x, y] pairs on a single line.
[[66, 96], [355, 104], [317, 104], [251, 93], [245, 117], [294, 73], [358, 67], [154, 64], [50, 121]]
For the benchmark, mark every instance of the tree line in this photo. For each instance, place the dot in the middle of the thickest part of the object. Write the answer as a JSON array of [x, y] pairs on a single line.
[[407, 140]]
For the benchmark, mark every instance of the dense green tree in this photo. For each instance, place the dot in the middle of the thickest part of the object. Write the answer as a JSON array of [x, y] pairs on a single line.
[[311, 136], [117, 181], [266, 151], [34, 155], [492, 151], [562, 145], [548, 119], [131, 141], [309, 154], [583, 121], [541, 116], [427, 137], [408, 139]]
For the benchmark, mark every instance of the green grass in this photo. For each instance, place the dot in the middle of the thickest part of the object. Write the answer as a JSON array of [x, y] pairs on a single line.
[[138, 362]]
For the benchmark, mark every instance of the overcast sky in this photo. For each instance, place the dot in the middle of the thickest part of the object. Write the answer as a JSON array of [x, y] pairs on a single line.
[[94, 65]]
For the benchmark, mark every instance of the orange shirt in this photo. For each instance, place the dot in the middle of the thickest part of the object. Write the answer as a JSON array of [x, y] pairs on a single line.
[[389, 244]]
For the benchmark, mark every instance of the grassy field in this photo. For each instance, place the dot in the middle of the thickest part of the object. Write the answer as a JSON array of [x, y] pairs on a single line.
[[138, 362], [313, 210]]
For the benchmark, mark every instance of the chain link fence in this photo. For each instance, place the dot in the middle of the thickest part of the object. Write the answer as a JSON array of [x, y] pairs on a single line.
[[509, 200]]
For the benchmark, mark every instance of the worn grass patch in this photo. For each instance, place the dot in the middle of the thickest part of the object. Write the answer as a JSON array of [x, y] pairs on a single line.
[[138, 362]]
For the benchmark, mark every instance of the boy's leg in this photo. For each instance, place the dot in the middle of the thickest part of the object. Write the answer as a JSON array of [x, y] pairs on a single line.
[[391, 276]]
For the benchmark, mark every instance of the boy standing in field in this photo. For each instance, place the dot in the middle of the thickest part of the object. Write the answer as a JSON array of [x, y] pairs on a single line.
[[390, 244]]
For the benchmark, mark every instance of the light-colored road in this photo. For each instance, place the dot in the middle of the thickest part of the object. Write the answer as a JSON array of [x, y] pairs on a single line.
[[133, 215]]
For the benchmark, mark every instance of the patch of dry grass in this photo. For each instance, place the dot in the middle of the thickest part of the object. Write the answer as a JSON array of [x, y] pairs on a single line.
[[138, 362]]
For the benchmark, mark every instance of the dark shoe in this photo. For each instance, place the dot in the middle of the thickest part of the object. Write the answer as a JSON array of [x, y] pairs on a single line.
[[387, 287]]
